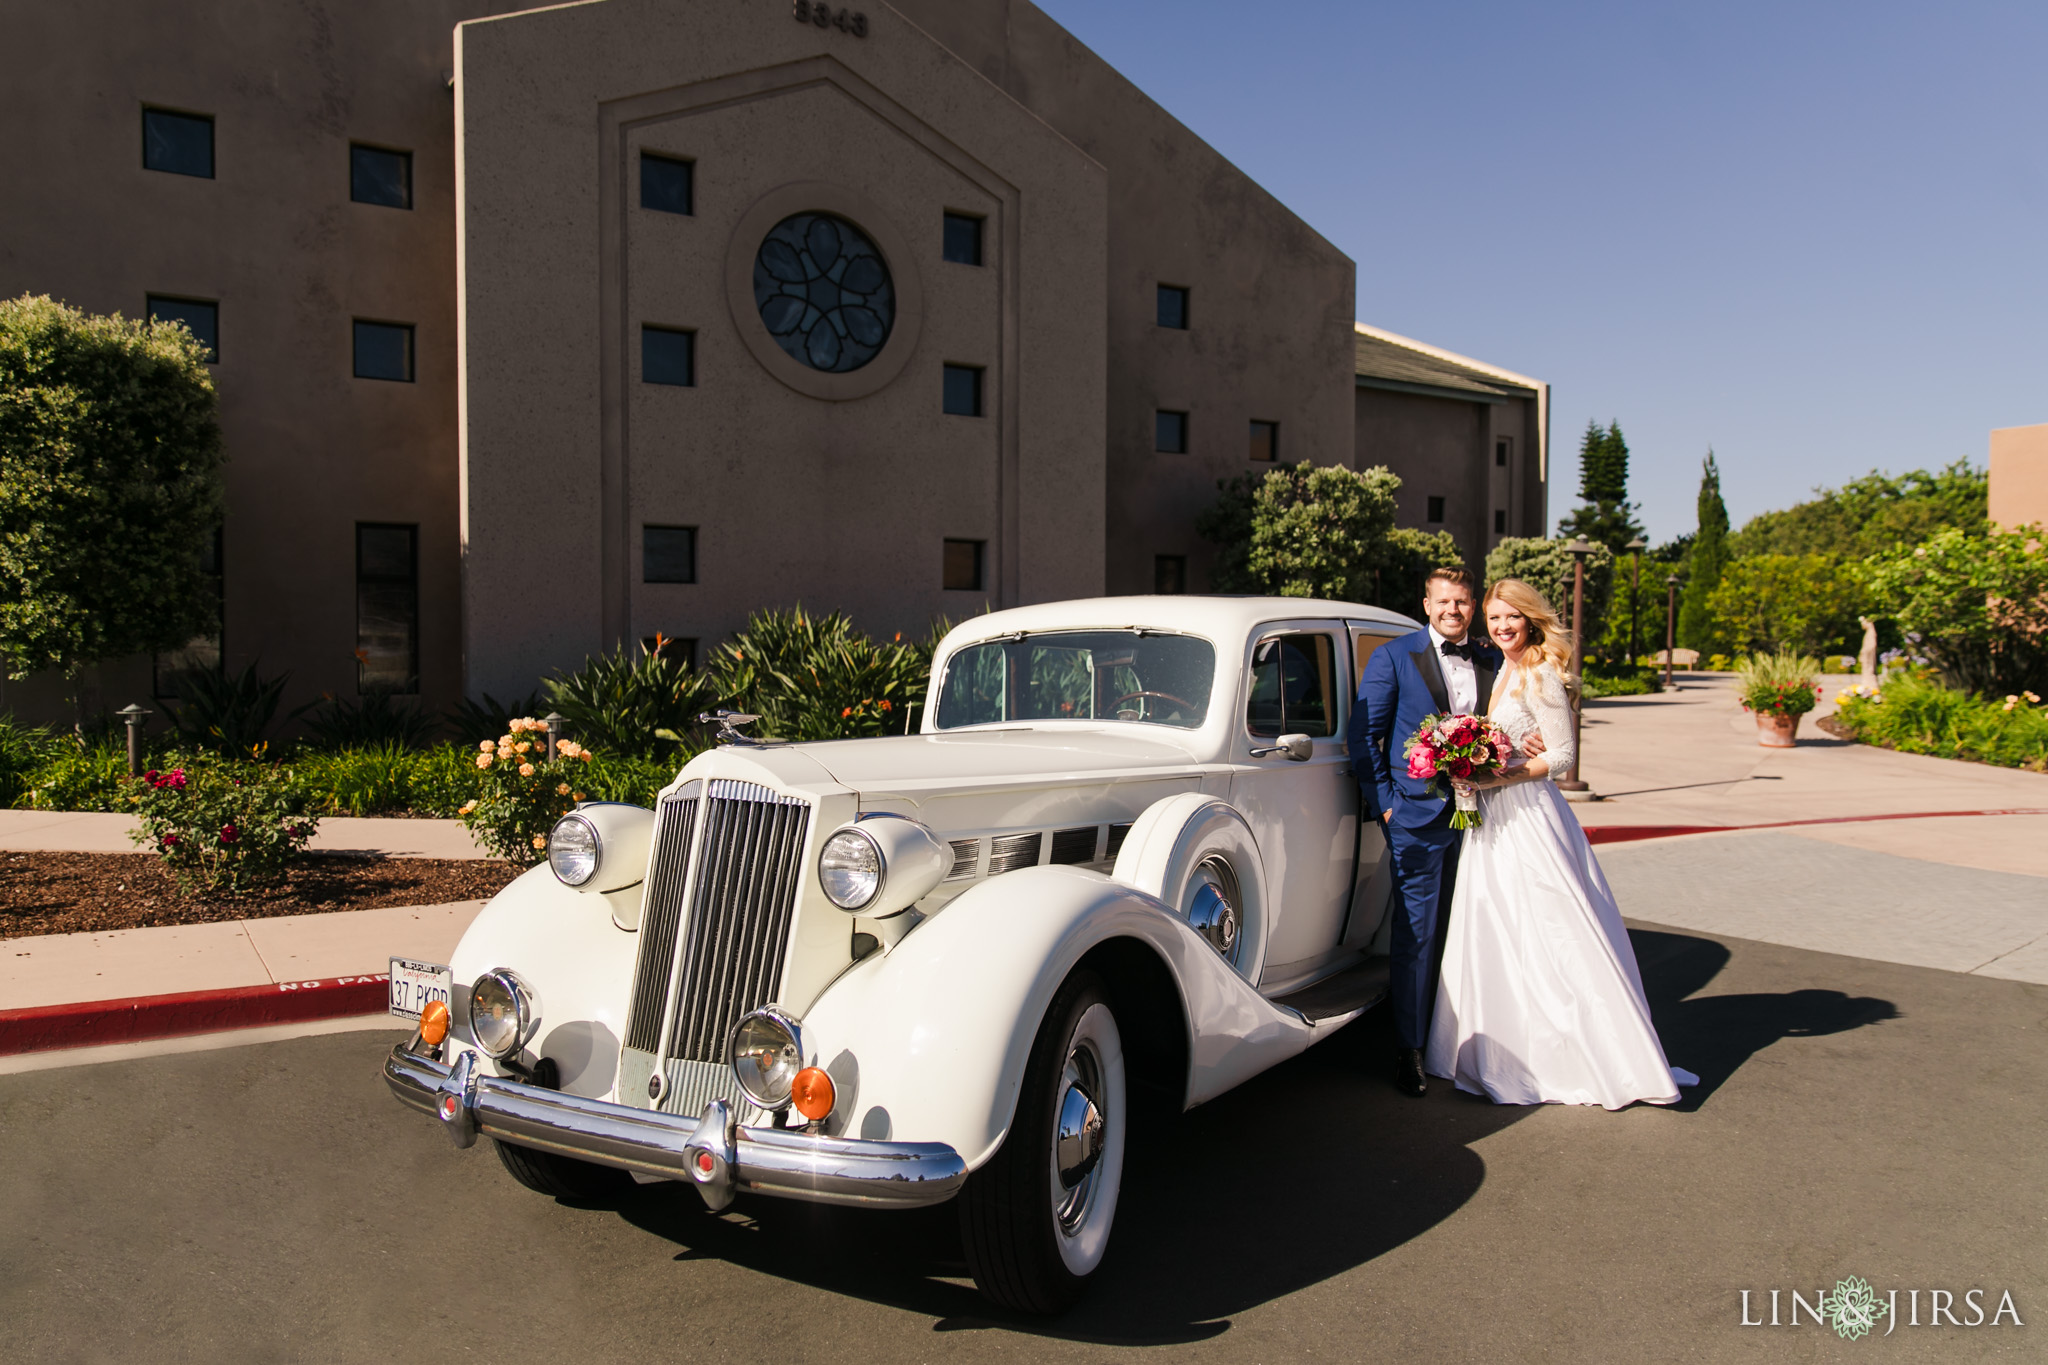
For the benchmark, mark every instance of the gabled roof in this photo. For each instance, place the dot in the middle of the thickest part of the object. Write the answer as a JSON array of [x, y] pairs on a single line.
[[1384, 360]]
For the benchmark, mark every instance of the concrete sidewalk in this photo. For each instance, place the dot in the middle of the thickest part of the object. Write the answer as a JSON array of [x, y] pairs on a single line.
[[96, 832], [60, 969]]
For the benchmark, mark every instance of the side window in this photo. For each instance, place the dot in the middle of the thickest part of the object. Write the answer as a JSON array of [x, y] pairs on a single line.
[[1362, 648], [1294, 686]]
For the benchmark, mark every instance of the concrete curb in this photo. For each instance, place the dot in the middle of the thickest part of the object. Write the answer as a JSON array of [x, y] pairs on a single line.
[[1621, 834], [93, 1023]]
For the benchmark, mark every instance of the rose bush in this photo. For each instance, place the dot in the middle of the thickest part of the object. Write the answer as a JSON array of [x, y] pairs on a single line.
[[1975, 605], [219, 825], [522, 792]]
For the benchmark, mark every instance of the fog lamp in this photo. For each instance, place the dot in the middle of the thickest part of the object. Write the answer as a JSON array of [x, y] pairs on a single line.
[[812, 1093], [503, 1012], [767, 1050]]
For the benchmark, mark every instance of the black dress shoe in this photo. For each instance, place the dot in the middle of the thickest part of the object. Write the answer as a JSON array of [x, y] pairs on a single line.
[[1408, 1077]]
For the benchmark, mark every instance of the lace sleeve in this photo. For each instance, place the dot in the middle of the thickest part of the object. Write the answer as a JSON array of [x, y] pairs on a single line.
[[1553, 708]]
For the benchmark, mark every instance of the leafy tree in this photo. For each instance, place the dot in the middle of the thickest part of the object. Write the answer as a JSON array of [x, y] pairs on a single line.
[[1607, 517], [1870, 515], [1708, 559], [1325, 531], [1807, 604], [1976, 605], [110, 488], [1546, 566]]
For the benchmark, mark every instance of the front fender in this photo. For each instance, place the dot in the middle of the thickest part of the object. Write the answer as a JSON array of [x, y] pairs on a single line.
[[565, 944], [933, 1037]]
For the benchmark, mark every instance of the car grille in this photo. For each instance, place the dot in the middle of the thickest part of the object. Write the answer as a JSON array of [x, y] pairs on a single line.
[[733, 850]]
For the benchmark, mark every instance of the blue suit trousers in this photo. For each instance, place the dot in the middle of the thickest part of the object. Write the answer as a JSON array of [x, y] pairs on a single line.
[[1425, 873]]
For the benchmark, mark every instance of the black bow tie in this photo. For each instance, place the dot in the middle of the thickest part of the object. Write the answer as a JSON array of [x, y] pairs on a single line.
[[1455, 650]]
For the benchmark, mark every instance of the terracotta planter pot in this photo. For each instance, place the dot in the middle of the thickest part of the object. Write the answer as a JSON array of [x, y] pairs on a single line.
[[1774, 731]]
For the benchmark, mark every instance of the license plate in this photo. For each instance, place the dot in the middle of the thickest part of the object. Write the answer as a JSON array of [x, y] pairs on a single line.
[[413, 984]]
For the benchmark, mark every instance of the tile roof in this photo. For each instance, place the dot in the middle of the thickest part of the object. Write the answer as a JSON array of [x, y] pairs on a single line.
[[1380, 357]]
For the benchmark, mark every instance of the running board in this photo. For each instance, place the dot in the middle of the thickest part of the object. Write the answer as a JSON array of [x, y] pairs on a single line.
[[1349, 992]]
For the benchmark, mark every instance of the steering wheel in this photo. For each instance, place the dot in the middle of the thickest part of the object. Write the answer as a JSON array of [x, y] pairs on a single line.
[[1163, 696]]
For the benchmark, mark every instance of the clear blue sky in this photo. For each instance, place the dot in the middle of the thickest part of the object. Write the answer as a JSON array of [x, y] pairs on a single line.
[[1809, 235]]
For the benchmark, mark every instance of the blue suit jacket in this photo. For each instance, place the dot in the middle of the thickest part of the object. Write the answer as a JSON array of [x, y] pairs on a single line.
[[1403, 683]]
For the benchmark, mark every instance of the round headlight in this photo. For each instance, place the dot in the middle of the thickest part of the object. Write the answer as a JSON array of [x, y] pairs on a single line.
[[850, 869], [503, 1011], [767, 1051], [573, 850]]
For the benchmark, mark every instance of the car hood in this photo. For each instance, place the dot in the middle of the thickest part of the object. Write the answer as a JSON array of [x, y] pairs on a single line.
[[967, 759]]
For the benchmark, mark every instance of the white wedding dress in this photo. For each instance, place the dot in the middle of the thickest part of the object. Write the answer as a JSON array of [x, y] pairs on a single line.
[[1541, 1001]]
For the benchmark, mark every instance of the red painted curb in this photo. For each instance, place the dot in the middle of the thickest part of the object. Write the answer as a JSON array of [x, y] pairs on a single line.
[[1620, 834], [90, 1023]]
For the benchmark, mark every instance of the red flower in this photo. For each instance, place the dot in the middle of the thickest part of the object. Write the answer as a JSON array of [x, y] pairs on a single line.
[[169, 841], [228, 834], [1461, 767]]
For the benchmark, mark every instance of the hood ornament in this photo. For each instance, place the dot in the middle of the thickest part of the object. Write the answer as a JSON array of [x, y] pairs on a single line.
[[729, 723]]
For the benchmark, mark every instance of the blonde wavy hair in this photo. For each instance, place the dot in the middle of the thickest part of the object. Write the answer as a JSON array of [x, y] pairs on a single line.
[[1549, 641]]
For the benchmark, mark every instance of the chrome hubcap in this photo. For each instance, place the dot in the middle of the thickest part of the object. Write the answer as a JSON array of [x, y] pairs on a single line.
[[1212, 906], [1079, 1137]]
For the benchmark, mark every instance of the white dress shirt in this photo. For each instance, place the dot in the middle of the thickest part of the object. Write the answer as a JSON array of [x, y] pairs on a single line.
[[1461, 679]]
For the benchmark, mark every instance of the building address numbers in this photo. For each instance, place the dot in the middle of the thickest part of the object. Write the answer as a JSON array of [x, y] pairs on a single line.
[[824, 16]]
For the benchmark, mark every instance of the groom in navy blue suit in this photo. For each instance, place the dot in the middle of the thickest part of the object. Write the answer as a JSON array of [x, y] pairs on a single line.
[[1447, 667]]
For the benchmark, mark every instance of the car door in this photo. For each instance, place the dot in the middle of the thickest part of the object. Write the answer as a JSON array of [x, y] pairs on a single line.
[[1303, 814], [1373, 889]]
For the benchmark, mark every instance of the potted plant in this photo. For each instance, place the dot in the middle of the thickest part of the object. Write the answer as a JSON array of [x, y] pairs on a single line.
[[1778, 689]]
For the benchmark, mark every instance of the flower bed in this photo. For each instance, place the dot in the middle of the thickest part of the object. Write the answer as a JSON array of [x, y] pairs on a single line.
[[1914, 713]]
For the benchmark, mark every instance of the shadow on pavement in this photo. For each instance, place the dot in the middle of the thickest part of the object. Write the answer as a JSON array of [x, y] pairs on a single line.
[[1308, 1171], [1715, 1034]]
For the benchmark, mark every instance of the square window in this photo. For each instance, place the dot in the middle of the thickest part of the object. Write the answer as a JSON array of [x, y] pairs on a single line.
[[1173, 307], [387, 608], [1500, 522], [200, 317], [963, 390], [384, 351], [1170, 432], [963, 239], [963, 565], [1266, 441], [667, 185], [1169, 574], [379, 176], [1501, 450], [181, 144], [1436, 510], [668, 356], [668, 554]]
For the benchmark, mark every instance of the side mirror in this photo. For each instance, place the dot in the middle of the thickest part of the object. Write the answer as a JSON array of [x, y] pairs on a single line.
[[1298, 748]]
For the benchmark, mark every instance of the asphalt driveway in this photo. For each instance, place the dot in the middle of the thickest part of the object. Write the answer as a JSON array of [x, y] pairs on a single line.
[[271, 1202]]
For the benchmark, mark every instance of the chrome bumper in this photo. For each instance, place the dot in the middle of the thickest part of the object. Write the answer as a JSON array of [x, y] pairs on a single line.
[[711, 1151]]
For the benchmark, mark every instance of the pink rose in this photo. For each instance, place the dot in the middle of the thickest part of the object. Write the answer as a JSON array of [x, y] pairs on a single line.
[[1422, 764]]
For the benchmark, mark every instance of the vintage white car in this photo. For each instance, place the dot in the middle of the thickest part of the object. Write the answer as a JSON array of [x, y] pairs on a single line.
[[1121, 857]]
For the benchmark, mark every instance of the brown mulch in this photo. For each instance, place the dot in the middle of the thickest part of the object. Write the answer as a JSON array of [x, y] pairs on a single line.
[[1834, 727], [67, 893]]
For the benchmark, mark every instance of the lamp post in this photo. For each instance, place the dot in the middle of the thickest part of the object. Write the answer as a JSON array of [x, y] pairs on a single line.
[[1635, 592], [553, 720], [1670, 625], [1578, 550], [131, 715]]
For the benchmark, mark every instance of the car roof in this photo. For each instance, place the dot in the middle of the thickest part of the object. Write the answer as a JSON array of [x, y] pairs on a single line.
[[1220, 618]]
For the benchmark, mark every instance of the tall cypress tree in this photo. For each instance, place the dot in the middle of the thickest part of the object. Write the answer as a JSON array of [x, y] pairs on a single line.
[[1605, 515], [1709, 557]]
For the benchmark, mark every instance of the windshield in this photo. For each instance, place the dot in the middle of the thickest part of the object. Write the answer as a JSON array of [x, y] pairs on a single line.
[[1127, 675]]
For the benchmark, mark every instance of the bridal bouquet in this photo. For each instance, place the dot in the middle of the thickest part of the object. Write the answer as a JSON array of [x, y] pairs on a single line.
[[1460, 747]]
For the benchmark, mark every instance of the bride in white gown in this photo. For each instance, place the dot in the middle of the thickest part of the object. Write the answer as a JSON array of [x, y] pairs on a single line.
[[1540, 1000]]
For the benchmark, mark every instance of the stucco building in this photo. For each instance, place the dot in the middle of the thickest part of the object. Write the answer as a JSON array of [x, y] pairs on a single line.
[[543, 330]]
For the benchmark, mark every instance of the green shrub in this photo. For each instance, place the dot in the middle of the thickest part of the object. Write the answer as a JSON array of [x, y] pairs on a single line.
[[376, 722], [624, 777], [221, 825], [1602, 679], [1776, 602], [476, 721], [1913, 712], [78, 775], [228, 714], [1977, 605], [640, 702], [1546, 566], [816, 677], [1780, 684], [22, 752]]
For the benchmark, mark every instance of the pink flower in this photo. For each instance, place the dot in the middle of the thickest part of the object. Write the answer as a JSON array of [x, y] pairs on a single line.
[[1421, 763]]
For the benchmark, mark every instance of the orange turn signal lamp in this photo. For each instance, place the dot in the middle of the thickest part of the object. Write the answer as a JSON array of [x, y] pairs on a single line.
[[811, 1093], [434, 1023]]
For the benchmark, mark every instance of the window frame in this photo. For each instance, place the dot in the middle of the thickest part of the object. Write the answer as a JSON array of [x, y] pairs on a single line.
[[689, 165], [980, 583], [1338, 684], [403, 154], [1433, 508], [1186, 434], [977, 376], [979, 221], [411, 350], [1185, 299], [696, 575], [212, 141], [1272, 455], [411, 687], [689, 334], [150, 301], [1160, 564]]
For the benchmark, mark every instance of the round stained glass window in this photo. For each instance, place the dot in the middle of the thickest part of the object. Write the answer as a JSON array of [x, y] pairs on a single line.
[[824, 292]]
